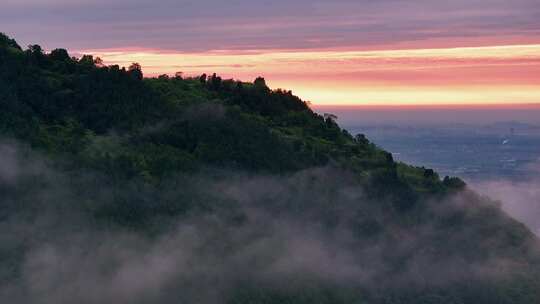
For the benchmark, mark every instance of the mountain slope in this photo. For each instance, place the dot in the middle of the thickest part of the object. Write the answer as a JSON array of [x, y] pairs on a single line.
[[208, 190]]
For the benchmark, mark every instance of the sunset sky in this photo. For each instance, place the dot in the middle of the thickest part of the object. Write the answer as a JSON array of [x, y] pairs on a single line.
[[354, 52]]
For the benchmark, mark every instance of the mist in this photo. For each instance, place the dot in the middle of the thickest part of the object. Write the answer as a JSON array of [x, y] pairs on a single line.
[[494, 149], [519, 198], [305, 231]]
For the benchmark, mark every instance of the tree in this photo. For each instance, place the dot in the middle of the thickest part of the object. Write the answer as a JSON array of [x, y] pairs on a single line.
[[202, 78], [135, 71], [59, 55], [215, 82], [361, 139], [330, 116], [390, 158], [87, 60], [35, 49], [260, 83], [454, 182], [36, 55], [428, 173], [98, 62], [6, 41]]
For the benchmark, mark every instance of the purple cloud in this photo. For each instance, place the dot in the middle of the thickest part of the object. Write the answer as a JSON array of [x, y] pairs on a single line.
[[278, 24]]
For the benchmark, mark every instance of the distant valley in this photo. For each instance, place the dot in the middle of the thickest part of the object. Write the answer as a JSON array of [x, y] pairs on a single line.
[[499, 159], [506, 150]]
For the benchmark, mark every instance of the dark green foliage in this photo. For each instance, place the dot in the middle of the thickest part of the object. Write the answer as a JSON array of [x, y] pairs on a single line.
[[54, 88], [59, 55], [453, 182], [260, 84], [161, 149], [7, 42], [135, 71], [257, 129]]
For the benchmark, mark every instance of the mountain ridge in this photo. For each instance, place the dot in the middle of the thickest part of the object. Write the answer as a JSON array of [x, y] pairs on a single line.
[[249, 169]]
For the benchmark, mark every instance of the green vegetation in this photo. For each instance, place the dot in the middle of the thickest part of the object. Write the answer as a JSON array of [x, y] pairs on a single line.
[[143, 154], [64, 106]]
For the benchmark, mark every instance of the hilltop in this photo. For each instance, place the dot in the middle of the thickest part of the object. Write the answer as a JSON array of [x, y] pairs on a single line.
[[123, 189]]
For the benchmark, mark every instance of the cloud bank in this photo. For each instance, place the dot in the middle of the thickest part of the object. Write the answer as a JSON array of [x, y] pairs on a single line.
[[214, 25]]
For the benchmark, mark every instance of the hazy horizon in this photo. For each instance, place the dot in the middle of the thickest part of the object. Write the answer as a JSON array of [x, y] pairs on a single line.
[[446, 114]]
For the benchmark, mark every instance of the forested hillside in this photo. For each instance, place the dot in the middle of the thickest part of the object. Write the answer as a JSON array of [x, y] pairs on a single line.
[[117, 188]]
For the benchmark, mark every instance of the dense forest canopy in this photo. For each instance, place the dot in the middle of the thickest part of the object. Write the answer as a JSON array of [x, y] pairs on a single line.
[[203, 189]]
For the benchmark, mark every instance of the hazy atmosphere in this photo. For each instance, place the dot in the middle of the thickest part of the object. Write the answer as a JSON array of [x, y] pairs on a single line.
[[291, 152], [495, 148]]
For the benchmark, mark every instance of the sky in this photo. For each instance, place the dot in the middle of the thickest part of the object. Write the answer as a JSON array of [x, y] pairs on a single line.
[[471, 116], [339, 52]]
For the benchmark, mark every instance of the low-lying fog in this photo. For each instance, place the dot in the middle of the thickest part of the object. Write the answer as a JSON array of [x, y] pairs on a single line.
[[496, 150]]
